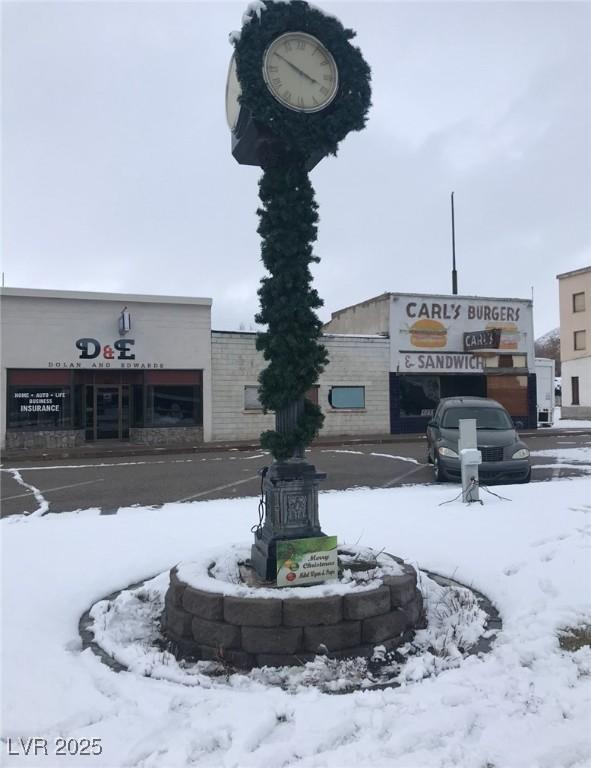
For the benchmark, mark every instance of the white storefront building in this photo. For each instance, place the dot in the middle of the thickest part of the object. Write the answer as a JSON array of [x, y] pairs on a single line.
[[79, 367], [442, 346]]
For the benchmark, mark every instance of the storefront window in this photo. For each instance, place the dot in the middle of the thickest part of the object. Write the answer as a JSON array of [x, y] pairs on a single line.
[[39, 407], [419, 395], [347, 397], [173, 406], [251, 399]]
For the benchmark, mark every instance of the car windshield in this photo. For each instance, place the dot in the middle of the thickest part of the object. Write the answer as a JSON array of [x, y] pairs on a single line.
[[486, 418]]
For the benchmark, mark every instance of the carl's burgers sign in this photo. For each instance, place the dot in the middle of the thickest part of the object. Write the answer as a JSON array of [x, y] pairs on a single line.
[[433, 334], [440, 324]]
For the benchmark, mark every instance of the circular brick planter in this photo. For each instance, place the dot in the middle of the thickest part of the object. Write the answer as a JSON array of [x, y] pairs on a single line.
[[286, 626]]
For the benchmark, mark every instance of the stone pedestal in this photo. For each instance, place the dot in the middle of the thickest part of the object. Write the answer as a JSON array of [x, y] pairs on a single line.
[[290, 491], [291, 511]]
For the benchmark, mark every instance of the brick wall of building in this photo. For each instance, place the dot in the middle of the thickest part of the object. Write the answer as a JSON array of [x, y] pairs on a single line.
[[354, 361]]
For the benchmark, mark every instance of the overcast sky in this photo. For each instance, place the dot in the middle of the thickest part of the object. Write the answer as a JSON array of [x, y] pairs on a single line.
[[117, 173]]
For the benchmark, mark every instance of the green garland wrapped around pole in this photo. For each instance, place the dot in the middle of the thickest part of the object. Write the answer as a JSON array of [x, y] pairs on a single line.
[[288, 303], [296, 87]]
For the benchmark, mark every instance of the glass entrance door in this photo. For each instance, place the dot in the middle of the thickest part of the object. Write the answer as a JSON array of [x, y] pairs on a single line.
[[108, 415], [106, 407]]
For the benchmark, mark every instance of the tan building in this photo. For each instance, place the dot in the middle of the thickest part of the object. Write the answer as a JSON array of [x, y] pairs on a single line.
[[575, 342]]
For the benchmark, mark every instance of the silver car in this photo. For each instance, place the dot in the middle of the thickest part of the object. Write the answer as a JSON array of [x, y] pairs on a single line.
[[505, 458]]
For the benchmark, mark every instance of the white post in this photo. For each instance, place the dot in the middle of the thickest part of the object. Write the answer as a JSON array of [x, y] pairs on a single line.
[[470, 458]]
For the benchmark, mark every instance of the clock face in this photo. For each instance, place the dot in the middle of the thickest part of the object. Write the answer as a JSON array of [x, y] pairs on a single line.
[[300, 72], [233, 91]]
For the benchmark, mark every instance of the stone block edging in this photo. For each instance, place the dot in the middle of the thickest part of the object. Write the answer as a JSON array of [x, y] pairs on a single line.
[[241, 659], [284, 629]]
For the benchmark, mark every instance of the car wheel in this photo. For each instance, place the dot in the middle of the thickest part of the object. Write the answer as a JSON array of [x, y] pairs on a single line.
[[439, 474]]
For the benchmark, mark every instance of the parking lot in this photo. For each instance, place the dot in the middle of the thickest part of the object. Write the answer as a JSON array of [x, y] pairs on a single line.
[[108, 484]]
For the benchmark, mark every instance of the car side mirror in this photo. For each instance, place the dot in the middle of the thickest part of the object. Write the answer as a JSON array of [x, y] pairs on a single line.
[[432, 424]]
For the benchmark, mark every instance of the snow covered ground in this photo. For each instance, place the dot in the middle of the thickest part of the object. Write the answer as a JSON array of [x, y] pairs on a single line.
[[524, 704]]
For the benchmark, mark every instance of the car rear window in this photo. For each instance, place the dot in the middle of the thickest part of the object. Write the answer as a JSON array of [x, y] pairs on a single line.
[[486, 418]]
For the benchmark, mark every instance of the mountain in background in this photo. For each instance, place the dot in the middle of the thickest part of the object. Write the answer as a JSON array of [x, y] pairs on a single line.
[[548, 345]]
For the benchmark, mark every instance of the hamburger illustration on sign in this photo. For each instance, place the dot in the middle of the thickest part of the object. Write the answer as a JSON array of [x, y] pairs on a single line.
[[428, 334], [509, 334]]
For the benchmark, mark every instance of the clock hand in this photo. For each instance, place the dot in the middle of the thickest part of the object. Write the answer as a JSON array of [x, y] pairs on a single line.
[[297, 69]]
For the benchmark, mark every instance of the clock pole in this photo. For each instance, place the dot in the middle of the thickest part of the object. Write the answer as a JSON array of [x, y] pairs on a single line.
[[282, 85]]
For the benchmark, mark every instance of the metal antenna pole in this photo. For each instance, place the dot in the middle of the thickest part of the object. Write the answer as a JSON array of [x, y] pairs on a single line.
[[454, 273]]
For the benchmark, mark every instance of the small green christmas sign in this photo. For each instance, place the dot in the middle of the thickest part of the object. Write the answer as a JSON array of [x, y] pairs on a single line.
[[306, 561]]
